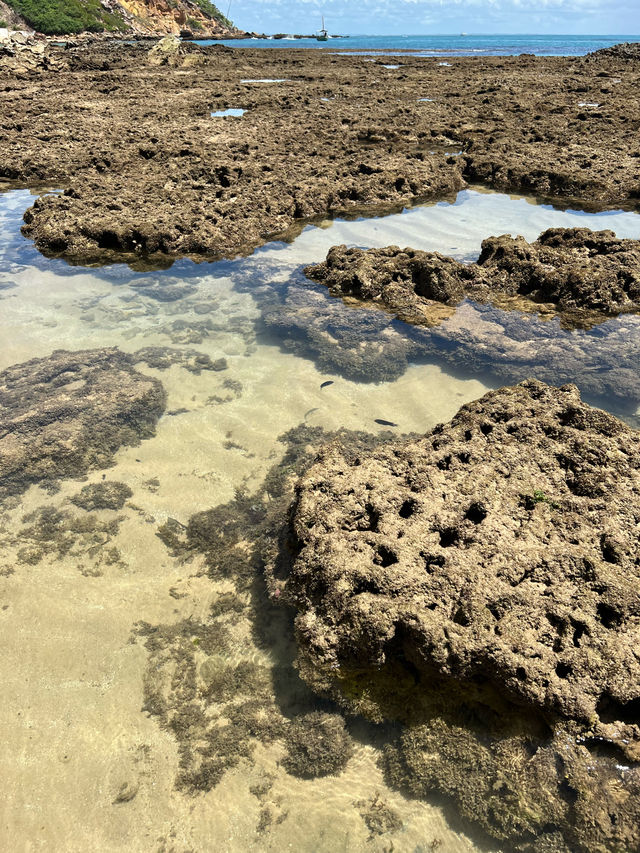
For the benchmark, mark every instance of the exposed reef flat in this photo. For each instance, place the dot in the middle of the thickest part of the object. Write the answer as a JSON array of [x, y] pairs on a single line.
[[66, 414], [168, 178], [479, 584], [567, 267]]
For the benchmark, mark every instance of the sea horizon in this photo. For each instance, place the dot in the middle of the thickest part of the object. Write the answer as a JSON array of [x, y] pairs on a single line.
[[468, 44]]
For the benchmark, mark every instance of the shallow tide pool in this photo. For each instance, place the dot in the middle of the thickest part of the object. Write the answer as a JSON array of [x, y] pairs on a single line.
[[85, 767]]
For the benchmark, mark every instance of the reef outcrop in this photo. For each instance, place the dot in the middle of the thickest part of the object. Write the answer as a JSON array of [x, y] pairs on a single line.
[[479, 584], [66, 414], [571, 268], [329, 135]]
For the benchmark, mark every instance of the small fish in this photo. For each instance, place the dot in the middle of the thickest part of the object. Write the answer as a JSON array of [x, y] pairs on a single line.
[[306, 414], [328, 382], [384, 423]]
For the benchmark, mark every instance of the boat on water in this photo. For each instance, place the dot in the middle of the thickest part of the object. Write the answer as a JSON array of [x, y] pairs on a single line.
[[322, 35]]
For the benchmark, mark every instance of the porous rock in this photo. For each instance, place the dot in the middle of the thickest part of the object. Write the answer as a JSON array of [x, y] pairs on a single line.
[[568, 267], [502, 545], [479, 585], [68, 413]]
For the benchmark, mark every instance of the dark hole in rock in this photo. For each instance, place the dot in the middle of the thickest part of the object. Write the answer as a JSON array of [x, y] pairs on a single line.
[[445, 463], [461, 618], [408, 508], [521, 673], [374, 517], [611, 710], [486, 429], [387, 557], [494, 611], [108, 240], [477, 512], [431, 560], [609, 550], [579, 631], [601, 748], [464, 457], [449, 536], [468, 435], [366, 585], [563, 670], [608, 615]]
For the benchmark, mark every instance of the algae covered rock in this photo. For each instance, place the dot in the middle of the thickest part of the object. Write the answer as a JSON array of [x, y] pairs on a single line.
[[572, 268], [480, 585], [106, 495], [317, 745], [66, 414]]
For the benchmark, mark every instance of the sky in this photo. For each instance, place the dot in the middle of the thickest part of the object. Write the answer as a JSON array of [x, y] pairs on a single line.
[[419, 17]]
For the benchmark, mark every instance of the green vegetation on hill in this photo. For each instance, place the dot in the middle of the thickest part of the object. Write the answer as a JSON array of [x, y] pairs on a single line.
[[57, 17], [213, 12]]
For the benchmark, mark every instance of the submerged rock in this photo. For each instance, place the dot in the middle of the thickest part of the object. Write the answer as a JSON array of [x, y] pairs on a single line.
[[568, 267], [66, 414], [317, 745], [480, 584]]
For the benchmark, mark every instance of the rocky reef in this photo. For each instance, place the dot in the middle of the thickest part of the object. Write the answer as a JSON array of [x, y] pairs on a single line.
[[571, 268], [330, 135], [479, 585], [66, 414]]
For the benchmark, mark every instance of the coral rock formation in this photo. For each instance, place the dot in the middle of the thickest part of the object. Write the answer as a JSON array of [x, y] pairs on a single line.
[[63, 415], [569, 267], [480, 585]]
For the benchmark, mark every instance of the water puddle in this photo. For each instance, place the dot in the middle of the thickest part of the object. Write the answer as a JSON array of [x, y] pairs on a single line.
[[246, 350], [236, 113]]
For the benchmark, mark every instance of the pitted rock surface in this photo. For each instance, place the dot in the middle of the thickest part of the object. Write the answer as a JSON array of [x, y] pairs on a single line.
[[569, 267], [500, 549], [66, 414], [168, 179]]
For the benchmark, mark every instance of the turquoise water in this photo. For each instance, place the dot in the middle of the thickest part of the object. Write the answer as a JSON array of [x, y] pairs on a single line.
[[454, 45]]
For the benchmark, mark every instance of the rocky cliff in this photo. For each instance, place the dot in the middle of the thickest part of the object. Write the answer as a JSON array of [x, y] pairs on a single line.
[[145, 17]]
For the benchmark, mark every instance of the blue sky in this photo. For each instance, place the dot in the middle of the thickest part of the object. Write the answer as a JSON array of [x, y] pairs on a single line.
[[399, 17]]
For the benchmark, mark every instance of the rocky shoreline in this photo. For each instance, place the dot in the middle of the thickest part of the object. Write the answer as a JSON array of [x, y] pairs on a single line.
[[333, 134], [570, 268]]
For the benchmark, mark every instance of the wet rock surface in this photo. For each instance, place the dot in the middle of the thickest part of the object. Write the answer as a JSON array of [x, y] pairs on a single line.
[[66, 414], [480, 585], [169, 180], [572, 268], [504, 340]]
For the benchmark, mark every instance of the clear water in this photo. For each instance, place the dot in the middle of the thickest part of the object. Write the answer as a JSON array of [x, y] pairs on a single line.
[[75, 737], [236, 113], [455, 45]]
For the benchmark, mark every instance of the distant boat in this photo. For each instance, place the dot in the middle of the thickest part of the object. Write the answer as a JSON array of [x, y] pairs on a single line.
[[322, 35]]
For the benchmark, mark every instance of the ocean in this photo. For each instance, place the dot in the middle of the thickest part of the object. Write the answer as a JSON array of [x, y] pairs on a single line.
[[452, 45]]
